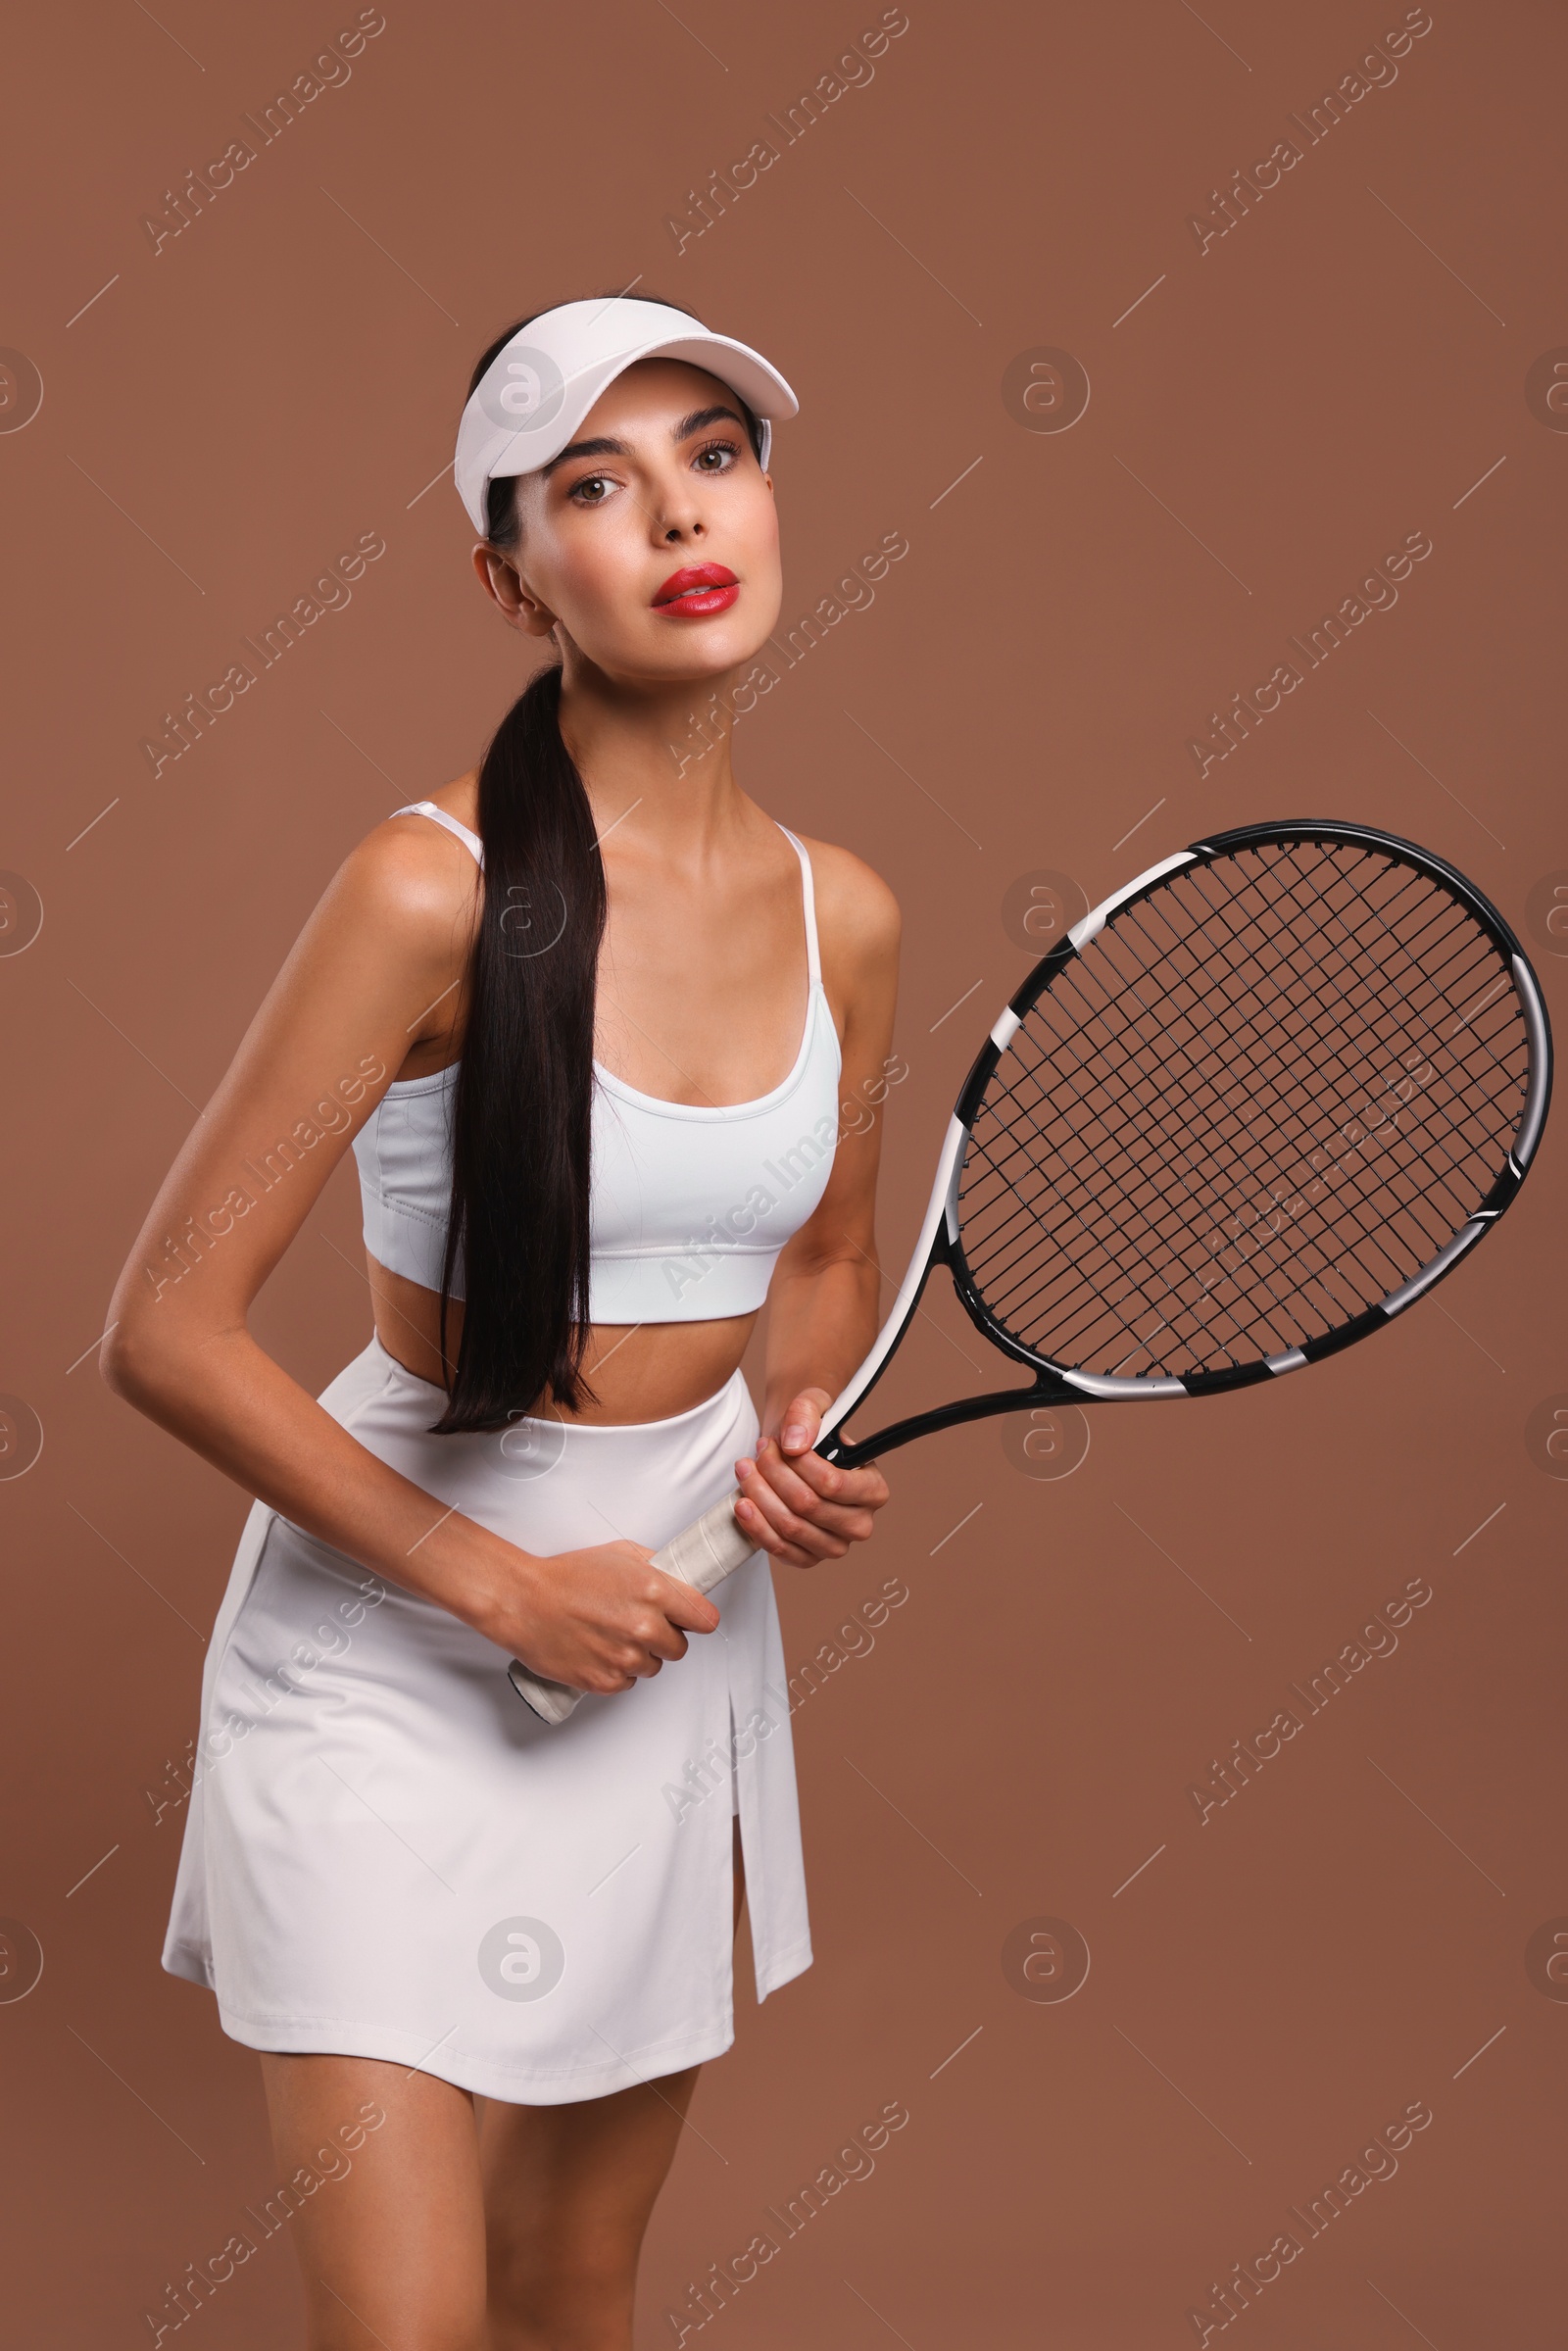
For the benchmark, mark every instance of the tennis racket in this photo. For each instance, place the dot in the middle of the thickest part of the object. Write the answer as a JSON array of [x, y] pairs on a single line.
[[1248, 1110]]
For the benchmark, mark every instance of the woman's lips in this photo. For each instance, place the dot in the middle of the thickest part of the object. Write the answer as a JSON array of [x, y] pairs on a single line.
[[697, 590]]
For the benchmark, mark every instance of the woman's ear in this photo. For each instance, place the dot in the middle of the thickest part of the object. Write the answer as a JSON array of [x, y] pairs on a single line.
[[502, 582], [534, 619]]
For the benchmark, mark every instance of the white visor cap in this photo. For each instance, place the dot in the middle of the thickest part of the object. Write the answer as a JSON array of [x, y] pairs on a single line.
[[538, 388]]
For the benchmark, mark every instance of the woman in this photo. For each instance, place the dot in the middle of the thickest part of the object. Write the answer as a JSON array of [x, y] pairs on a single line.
[[588, 1017]]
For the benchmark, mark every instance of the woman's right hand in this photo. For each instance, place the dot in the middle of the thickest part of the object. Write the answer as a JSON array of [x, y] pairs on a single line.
[[597, 1620]]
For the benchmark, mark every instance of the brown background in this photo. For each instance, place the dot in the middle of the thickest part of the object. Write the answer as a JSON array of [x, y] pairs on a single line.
[[1277, 414]]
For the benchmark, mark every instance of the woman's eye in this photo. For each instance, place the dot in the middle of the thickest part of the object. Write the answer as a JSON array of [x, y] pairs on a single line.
[[592, 490], [725, 452]]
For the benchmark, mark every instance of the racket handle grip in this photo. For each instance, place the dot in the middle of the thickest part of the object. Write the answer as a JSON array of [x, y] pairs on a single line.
[[702, 1554], [710, 1548]]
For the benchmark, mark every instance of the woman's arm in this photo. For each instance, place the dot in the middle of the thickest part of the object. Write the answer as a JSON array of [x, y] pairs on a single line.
[[823, 1303], [378, 969]]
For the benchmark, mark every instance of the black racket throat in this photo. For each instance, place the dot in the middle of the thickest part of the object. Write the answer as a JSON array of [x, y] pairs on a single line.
[[845, 1453], [1047, 1388]]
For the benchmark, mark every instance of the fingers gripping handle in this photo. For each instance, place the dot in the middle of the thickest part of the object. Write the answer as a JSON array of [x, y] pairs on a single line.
[[702, 1554]]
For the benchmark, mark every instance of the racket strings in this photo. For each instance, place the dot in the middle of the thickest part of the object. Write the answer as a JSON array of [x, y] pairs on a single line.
[[1440, 978], [1342, 950], [1260, 1100], [1248, 1073], [1093, 1247], [1003, 1296], [1154, 1291], [1091, 1252], [1454, 982], [1454, 975], [1264, 1293], [1481, 954], [1261, 1083], [1462, 927]]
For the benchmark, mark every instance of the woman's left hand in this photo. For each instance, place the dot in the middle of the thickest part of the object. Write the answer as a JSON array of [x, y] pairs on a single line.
[[795, 1504]]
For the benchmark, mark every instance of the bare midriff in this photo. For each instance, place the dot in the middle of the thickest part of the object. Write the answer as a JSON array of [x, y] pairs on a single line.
[[638, 1371]]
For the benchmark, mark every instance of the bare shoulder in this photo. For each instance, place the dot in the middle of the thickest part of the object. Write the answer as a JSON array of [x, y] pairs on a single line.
[[857, 917], [410, 875], [460, 798]]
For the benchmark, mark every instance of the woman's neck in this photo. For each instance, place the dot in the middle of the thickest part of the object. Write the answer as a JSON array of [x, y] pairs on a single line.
[[663, 750]]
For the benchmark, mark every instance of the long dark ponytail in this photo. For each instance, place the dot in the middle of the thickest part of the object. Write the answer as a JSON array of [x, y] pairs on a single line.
[[522, 1105], [521, 1112]]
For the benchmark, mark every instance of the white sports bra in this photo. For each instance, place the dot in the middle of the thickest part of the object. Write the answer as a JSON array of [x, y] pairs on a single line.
[[689, 1205]]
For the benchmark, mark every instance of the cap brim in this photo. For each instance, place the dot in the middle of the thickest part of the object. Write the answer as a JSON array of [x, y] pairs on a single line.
[[555, 396], [745, 370]]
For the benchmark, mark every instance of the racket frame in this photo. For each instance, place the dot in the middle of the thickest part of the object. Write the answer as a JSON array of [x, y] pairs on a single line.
[[1055, 1384]]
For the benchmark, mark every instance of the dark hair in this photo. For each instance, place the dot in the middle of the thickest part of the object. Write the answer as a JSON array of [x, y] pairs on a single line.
[[521, 1112]]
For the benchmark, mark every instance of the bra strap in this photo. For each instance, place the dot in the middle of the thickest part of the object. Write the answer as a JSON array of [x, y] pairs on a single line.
[[813, 955], [460, 832]]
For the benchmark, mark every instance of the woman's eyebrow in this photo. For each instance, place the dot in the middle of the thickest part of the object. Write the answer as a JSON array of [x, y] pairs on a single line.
[[700, 417], [598, 448], [606, 446]]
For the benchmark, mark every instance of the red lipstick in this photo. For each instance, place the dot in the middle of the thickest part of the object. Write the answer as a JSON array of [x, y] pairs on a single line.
[[697, 590]]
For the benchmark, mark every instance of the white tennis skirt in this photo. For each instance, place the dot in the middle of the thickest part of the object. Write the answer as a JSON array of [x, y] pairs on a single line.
[[387, 1853]]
